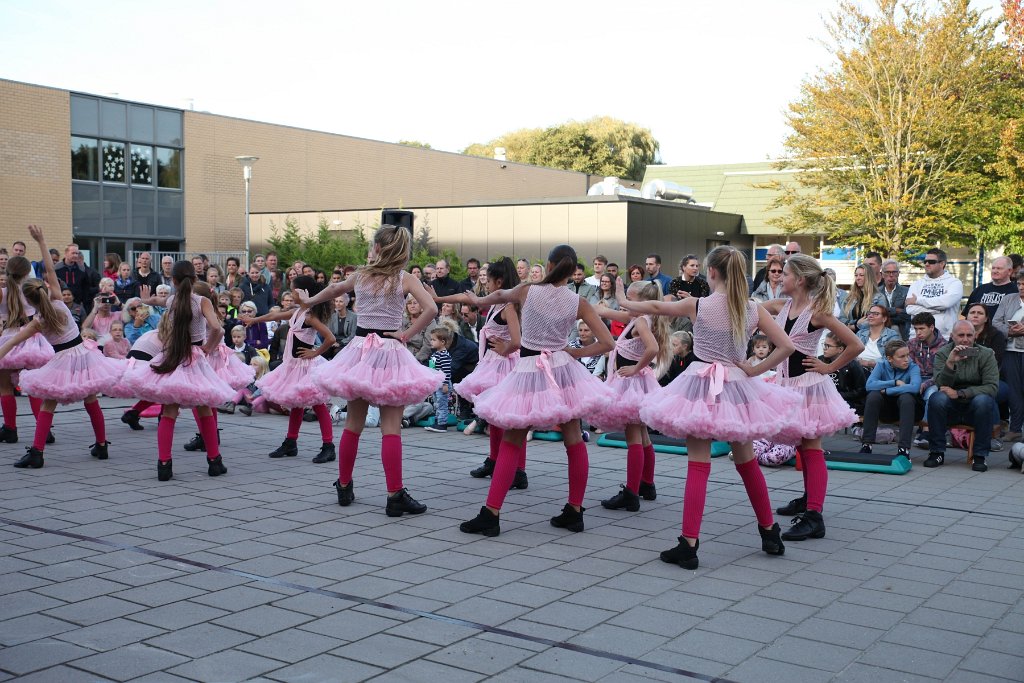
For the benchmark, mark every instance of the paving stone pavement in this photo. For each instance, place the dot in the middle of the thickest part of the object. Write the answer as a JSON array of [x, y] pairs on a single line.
[[110, 575]]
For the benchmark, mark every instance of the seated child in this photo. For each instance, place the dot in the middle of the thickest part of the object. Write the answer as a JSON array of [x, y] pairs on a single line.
[[894, 393], [682, 346], [246, 398], [849, 379], [238, 344], [116, 346]]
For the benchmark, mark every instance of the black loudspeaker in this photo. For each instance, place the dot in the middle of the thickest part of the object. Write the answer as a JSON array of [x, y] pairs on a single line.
[[403, 219]]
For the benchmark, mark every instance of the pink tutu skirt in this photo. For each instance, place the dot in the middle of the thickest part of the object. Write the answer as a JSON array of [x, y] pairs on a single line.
[[121, 388], [289, 385], [720, 402], [378, 370], [489, 371], [231, 369], [549, 389], [72, 375], [189, 385], [33, 353], [624, 409], [821, 412]]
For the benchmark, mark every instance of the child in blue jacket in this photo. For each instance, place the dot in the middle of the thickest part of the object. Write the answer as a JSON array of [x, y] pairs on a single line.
[[894, 394]]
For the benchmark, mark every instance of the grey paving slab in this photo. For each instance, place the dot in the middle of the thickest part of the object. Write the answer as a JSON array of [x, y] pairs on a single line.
[[917, 579]]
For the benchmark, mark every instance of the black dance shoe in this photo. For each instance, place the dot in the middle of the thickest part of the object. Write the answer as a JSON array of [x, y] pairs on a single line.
[[485, 523]]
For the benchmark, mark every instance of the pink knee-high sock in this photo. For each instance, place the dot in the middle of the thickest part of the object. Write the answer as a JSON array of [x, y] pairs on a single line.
[[495, 436], [208, 430], [391, 458], [803, 470], [294, 422], [522, 457], [9, 406], [757, 491], [36, 404], [323, 416], [696, 493], [99, 427], [634, 466], [648, 474], [165, 438], [142, 405], [504, 473], [816, 473], [347, 448], [44, 420], [579, 469]]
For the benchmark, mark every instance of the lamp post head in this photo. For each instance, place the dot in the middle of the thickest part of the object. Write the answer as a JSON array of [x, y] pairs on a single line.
[[247, 162]]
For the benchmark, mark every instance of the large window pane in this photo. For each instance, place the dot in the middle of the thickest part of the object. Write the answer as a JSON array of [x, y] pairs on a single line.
[[113, 162], [169, 220], [168, 167], [84, 159], [85, 207], [115, 210], [142, 165], [85, 115], [143, 211], [168, 128], [140, 123], [113, 119]]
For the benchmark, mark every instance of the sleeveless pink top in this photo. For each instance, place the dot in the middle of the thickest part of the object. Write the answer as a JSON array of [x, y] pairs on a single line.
[[631, 348], [197, 329], [712, 336], [26, 306], [149, 343], [548, 316], [805, 340], [67, 332], [380, 308]]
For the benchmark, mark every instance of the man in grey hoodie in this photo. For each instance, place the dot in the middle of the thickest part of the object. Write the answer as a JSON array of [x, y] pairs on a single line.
[[938, 293]]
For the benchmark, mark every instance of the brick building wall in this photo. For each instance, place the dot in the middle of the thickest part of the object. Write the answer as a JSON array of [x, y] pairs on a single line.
[[35, 167]]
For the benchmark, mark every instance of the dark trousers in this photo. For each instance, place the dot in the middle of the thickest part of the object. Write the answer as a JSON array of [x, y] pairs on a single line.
[[1013, 371], [978, 412], [906, 409]]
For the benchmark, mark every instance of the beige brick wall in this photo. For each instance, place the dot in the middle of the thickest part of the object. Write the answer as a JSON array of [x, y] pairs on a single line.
[[308, 171], [35, 163]]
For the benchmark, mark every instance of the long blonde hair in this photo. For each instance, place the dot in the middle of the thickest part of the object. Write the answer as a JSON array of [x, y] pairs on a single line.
[[393, 250], [647, 290], [37, 293], [18, 268], [862, 296], [820, 287], [732, 271]]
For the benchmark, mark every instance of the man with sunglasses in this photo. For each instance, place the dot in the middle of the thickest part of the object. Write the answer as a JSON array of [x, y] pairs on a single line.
[[938, 293]]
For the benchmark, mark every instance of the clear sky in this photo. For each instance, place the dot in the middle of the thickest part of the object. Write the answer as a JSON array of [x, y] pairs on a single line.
[[710, 78]]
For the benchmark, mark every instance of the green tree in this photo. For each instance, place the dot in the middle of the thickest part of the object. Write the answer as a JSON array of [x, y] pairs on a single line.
[[415, 143], [601, 145], [897, 143], [323, 249]]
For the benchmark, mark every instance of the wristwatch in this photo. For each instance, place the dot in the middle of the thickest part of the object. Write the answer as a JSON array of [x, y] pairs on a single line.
[[960, 393]]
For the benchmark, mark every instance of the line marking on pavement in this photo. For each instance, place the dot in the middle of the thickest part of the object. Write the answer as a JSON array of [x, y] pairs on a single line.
[[473, 625]]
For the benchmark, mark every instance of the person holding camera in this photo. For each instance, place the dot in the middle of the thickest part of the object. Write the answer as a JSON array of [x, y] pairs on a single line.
[[967, 376]]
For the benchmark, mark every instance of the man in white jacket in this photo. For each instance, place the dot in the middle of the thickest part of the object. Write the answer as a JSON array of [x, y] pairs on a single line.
[[938, 293]]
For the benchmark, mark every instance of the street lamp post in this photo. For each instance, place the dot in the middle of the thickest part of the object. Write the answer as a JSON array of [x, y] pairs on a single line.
[[247, 162]]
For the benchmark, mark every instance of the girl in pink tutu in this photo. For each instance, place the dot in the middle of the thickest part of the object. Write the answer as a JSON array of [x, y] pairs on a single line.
[[30, 354], [376, 367], [499, 353], [181, 375], [289, 385], [643, 341], [806, 315], [546, 386], [73, 374], [718, 398]]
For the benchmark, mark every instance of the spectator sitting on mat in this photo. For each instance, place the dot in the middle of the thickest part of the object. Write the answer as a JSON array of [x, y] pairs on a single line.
[[850, 378], [894, 394], [968, 379], [924, 344]]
